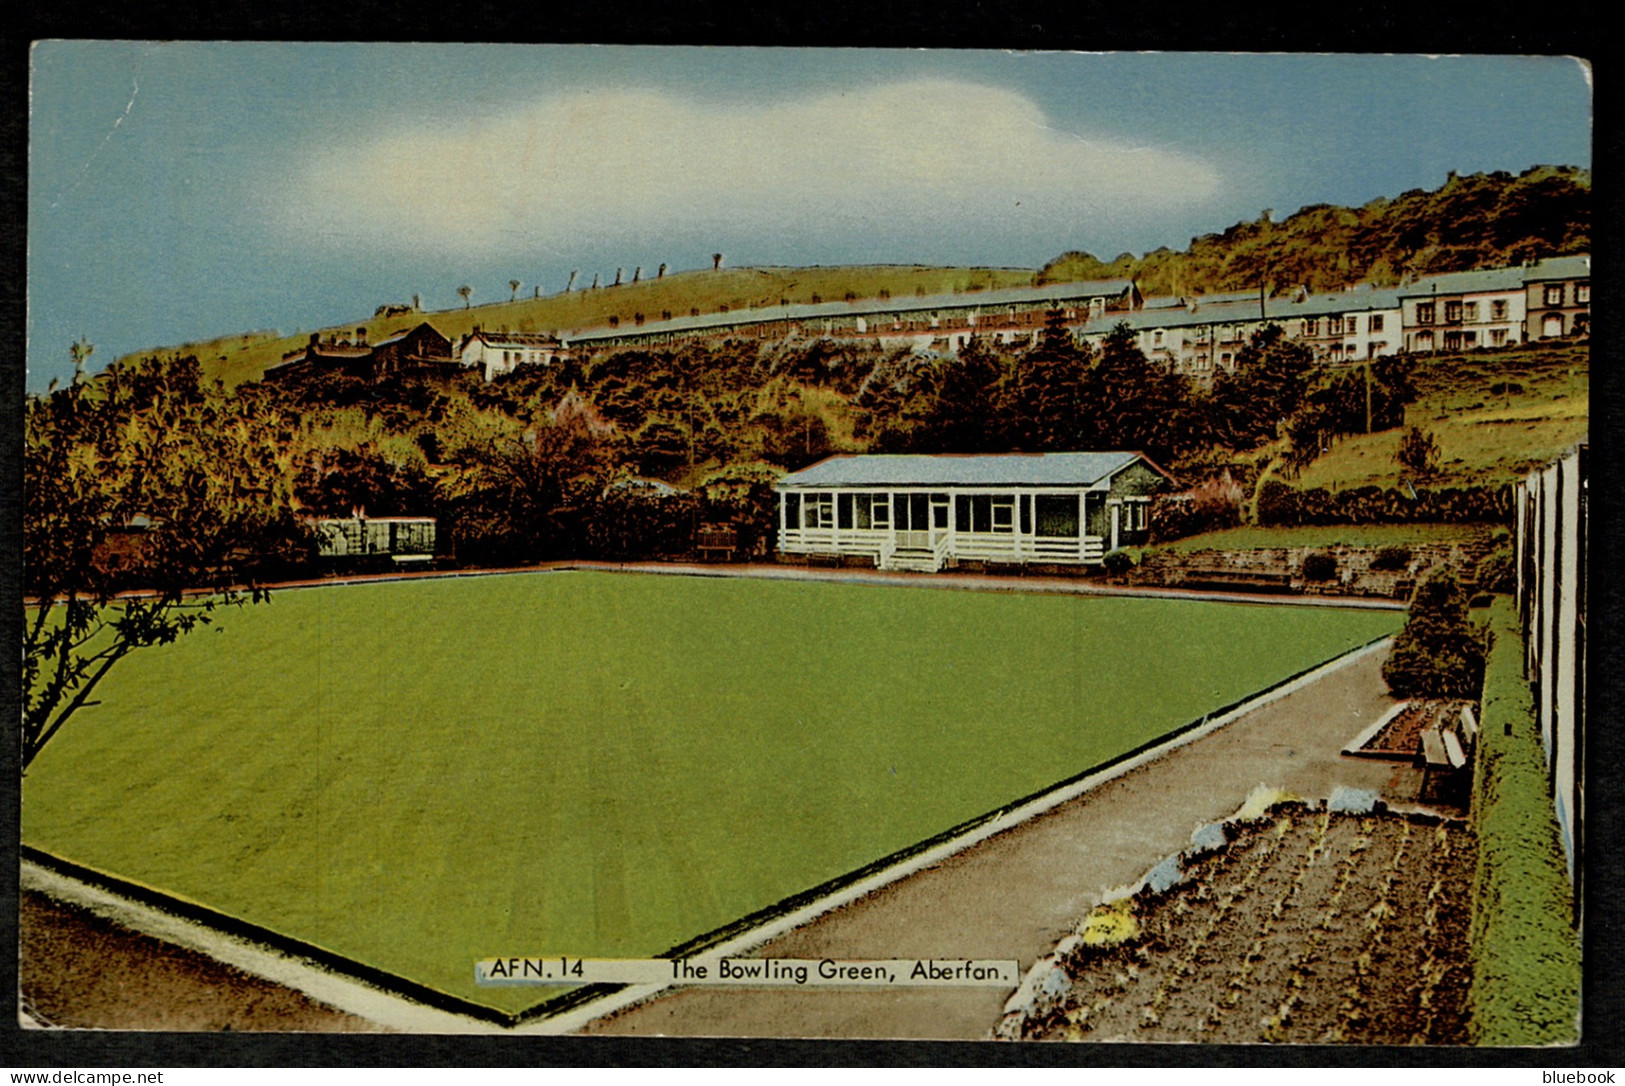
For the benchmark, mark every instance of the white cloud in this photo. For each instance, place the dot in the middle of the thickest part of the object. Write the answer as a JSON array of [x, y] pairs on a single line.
[[606, 166]]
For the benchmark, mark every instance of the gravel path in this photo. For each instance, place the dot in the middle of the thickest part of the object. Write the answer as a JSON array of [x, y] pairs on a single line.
[[1015, 895]]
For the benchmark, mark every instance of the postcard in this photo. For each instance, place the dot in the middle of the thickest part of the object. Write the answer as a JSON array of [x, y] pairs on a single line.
[[978, 546]]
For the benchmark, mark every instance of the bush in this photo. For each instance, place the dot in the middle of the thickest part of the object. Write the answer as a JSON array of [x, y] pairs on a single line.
[[1319, 567], [1496, 571], [641, 519], [1208, 507], [1118, 561], [1285, 505], [1419, 453], [1440, 652], [1391, 558]]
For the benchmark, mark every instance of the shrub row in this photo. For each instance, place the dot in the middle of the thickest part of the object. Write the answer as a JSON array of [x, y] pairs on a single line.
[[1281, 504], [1525, 953], [1175, 516]]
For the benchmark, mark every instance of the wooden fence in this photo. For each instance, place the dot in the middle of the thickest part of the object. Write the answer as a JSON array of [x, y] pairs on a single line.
[[1551, 507]]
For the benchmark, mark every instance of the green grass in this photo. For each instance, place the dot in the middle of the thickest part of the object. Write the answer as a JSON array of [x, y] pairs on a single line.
[[1484, 436], [421, 774], [1526, 958], [1328, 535]]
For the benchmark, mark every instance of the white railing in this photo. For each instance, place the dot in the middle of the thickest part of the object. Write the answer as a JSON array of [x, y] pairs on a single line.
[[883, 545], [832, 540], [1064, 551], [987, 546], [914, 541]]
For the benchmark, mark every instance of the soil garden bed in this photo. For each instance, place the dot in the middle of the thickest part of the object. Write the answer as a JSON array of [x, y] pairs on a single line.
[[1400, 739], [1308, 926]]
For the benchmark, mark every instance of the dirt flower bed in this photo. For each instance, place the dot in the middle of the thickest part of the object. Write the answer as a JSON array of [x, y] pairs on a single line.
[[1307, 926], [1401, 737]]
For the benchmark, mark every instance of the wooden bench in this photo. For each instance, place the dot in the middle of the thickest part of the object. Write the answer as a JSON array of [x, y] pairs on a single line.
[[717, 544]]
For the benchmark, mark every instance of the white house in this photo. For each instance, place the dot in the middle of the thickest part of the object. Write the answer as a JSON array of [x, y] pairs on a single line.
[[1198, 339], [1345, 326], [1557, 299], [503, 352], [1463, 310], [919, 512]]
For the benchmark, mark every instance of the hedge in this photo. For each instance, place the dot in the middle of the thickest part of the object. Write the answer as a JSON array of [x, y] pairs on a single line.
[[1525, 987], [1282, 504]]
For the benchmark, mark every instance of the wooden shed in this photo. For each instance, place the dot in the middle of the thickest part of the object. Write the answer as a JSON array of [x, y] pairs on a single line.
[[403, 540]]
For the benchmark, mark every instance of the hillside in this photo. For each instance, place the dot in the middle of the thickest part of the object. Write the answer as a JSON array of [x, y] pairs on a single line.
[[1471, 221], [241, 358], [1495, 415]]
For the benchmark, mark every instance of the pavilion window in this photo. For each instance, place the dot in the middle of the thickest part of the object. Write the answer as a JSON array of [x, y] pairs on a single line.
[[792, 510], [843, 511], [818, 511], [1056, 515], [982, 513], [881, 511], [1026, 514]]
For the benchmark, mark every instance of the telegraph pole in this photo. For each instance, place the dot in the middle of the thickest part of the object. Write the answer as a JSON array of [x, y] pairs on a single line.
[[1368, 391]]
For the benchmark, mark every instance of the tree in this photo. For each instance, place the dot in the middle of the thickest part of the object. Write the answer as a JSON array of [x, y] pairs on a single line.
[[80, 350], [513, 290], [145, 481], [1137, 403], [1440, 653], [525, 497], [968, 413], [716, 261], [1271, 382], [1419, 453], [333, 482], [463, 292], [1047, 402]]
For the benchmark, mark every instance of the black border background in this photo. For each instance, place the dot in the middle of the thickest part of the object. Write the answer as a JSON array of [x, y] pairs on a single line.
[[1381, 26]]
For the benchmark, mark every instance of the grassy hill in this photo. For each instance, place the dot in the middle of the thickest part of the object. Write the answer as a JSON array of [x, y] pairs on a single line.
[[1496, 415], [1471, 221], [241, 358]]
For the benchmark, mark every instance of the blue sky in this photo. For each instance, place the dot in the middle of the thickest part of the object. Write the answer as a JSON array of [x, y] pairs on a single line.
[[181, 191]]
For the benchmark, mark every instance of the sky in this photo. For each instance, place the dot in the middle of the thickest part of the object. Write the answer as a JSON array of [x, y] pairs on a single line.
[[180, 191]]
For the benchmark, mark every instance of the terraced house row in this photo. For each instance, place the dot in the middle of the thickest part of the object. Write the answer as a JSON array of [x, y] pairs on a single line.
[[1198, 335], [1458, 311]]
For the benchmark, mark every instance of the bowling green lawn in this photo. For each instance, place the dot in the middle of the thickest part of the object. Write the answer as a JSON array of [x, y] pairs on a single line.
[[420, 774]]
